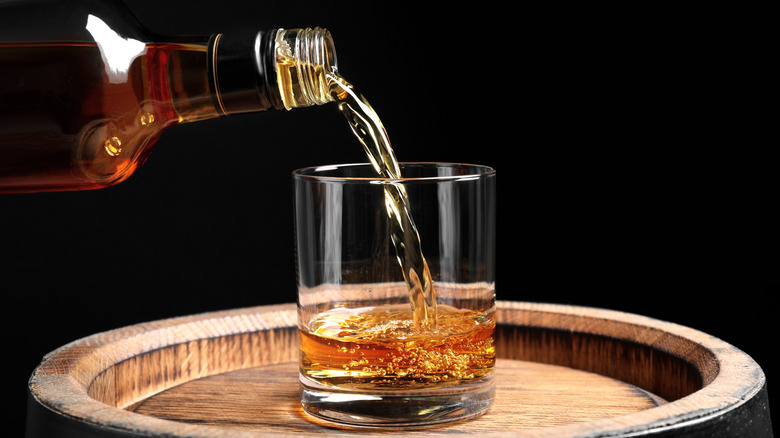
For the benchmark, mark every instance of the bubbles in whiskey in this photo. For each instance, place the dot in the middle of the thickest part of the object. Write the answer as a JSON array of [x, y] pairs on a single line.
[[379, 347], [368, 128]]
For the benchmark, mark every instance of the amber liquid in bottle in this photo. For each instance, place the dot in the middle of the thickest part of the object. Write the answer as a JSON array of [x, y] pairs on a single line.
[[95, 114]]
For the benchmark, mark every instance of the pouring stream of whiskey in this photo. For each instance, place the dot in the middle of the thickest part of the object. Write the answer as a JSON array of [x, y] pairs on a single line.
[[368, 128]]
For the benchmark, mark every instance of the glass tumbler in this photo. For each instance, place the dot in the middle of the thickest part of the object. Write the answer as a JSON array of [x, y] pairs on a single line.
[[396, 293]]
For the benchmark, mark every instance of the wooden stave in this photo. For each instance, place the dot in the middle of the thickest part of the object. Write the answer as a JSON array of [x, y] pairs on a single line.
[[724, 407]]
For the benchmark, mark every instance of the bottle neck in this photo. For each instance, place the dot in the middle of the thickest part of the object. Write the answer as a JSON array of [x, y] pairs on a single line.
[[241, 70], [274, 69], [304, 59]]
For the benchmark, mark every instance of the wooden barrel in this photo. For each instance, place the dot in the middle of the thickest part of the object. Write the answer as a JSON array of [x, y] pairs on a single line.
[[562, 371]]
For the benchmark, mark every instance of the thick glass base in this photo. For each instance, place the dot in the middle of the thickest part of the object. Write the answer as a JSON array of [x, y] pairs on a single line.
[[397, 408]]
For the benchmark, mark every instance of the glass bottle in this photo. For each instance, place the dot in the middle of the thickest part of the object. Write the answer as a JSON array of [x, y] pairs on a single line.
[[85, 90]]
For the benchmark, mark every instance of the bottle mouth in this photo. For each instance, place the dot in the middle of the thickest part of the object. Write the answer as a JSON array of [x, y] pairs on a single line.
[[304, 59]]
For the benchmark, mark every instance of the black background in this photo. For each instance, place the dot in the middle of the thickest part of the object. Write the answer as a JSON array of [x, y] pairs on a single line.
[[616, 188]]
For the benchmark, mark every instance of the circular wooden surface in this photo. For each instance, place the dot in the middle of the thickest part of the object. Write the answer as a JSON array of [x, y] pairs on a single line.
[[563, 372], [529, 395]]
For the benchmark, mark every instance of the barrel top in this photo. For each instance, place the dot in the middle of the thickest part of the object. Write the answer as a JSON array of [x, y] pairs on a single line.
[[680, 379]]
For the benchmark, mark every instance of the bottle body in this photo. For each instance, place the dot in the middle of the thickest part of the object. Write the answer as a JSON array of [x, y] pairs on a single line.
[[82, 109], [71, 122]]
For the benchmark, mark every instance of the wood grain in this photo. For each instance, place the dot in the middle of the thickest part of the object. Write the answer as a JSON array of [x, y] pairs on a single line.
[[529, 395], [563, 372]]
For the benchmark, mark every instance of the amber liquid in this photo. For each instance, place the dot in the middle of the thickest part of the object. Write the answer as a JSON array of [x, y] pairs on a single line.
[[380, 348], [74, 117], [414, 346], [368, 128]]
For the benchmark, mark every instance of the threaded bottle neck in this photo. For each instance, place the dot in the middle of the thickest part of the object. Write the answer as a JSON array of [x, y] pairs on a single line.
[[304, 58]]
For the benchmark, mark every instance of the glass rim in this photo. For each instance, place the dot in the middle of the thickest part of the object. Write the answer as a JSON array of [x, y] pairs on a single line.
[[313, 172]]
